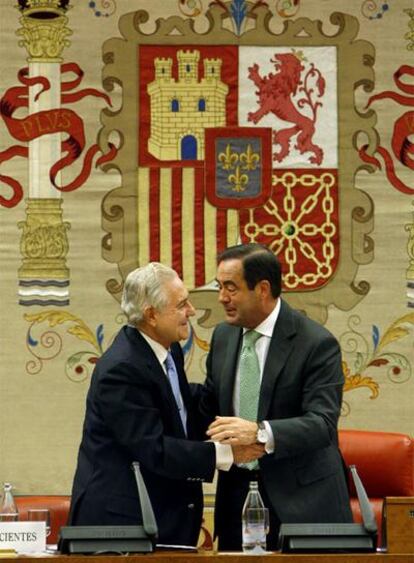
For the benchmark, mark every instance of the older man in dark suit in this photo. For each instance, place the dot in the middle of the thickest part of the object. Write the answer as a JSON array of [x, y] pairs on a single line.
[[140, 408], [274, 377]]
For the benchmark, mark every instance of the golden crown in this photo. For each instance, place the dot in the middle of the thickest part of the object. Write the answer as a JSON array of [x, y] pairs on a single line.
[[43, 9]]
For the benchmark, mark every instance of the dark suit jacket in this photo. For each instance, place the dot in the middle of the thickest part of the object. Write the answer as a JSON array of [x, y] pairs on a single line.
[[131, 415], [301, 395]]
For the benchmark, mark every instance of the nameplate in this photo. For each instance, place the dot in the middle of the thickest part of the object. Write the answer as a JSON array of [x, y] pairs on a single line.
[[23, 537]]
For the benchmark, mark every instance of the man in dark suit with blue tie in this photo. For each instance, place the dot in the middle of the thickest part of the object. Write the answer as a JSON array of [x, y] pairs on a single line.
[[140, 408], [274, 377]]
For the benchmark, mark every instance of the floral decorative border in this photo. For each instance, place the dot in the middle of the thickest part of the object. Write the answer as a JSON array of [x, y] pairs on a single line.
[[364, 363]]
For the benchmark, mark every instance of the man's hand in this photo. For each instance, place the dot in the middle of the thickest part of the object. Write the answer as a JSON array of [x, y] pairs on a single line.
[[233, 430], [244, 454]]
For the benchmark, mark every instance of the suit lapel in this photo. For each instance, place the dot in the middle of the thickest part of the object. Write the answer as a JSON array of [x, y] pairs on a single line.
[[280, 348], [229, 372], [145, 355]]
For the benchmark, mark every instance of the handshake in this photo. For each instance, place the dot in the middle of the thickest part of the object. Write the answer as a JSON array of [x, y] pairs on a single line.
[[240, 434]]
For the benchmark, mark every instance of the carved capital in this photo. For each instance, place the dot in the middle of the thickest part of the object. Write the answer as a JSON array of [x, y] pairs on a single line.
[[44, 244], [44, 39]]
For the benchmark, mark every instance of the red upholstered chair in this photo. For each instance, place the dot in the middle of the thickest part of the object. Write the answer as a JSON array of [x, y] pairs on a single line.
[[385, 464], [58, 506]]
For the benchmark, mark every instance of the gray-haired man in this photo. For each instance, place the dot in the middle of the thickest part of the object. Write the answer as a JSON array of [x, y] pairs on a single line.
[[140, 408]]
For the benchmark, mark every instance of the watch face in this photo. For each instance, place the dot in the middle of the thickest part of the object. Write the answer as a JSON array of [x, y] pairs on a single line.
[[262, 436]]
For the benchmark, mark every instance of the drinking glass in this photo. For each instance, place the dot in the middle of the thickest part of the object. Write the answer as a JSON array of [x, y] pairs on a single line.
[[40, 515], [9, 516]]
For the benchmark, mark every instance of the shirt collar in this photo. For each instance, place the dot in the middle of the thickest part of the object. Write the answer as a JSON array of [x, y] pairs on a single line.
[[267, 326], [156, 347]]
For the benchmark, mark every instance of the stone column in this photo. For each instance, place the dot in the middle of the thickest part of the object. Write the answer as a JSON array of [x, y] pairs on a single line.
[[43, 275]]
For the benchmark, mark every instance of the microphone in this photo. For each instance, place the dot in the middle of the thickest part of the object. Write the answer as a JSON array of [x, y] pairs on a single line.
[[368, 517], [148, 518]]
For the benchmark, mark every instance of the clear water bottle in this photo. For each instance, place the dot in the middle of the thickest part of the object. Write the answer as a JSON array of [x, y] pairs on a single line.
[[255, 521], [8, 508]]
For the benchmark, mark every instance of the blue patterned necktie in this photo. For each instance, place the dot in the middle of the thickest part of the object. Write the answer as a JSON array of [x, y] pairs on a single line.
[[249, 380], [173, 378]]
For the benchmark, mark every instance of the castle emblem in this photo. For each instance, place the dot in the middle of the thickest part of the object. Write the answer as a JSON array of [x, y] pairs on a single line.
[[182, 108]]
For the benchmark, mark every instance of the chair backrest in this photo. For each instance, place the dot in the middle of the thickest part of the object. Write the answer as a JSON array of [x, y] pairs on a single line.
[[58, 506], [385, 465], [384, 461]]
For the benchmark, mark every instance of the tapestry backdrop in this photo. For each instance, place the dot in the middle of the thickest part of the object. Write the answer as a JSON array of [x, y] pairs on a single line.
[[134, 131]]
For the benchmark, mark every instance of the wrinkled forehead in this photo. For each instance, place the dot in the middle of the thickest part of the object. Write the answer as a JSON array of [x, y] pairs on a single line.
[[230, 270]]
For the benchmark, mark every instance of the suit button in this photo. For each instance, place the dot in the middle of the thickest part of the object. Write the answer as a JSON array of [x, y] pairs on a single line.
[[191, 505]]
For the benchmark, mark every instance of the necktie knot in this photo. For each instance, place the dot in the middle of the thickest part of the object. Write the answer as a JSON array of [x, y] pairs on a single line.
[[169, 362], [250, 338]]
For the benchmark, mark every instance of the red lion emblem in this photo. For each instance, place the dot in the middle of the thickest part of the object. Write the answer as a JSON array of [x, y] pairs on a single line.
[[275, 92]]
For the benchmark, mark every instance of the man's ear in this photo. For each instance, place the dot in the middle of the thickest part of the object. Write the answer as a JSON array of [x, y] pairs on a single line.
[[263, 288], [150, 316]]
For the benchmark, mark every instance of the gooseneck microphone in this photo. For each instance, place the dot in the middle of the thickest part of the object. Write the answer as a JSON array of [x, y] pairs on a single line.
[[368, 517], [148, 518]]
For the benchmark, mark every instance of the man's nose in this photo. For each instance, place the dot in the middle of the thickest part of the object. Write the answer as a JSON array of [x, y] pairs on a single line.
[[190, 310], [223, 296]]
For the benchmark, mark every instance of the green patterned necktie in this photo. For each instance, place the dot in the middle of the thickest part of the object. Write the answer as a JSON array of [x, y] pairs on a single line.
[[249, 380]]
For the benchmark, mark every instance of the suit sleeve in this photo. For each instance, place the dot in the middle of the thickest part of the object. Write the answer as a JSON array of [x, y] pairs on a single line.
[[313, 421], [133, 406]]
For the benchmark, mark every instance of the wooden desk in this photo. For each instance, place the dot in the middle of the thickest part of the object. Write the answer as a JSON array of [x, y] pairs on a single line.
[[211, 557]]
